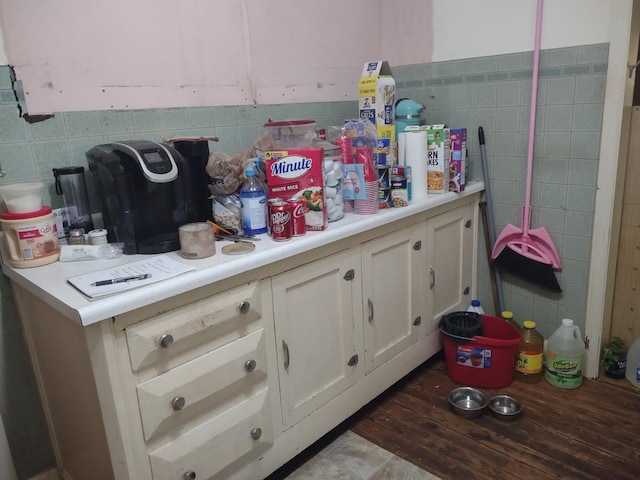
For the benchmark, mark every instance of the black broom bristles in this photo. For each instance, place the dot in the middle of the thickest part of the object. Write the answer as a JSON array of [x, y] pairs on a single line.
[[541, 274]]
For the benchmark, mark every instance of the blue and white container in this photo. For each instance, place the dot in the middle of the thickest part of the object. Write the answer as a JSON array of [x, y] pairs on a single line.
[[633, 363], [254, 203]]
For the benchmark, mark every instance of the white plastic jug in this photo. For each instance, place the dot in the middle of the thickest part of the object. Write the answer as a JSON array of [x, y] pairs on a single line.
[[565, 356], [633, 363], [475, 307]]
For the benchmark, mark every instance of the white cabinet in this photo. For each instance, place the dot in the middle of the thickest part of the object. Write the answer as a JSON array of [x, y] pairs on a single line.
[[393, 286], [318, 332], [450, 257], [232, 379]]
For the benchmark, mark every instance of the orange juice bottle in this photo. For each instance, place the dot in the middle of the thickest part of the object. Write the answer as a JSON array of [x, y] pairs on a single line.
[[529, 367]]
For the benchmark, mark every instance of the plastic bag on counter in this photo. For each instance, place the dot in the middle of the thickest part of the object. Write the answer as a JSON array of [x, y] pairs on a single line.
[[227, 170], [76, 253], [227, 212]]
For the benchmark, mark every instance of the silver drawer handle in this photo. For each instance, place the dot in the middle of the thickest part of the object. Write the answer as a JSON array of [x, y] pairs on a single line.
[[250, 365], [244, 307], [371, 312], [166, 340], [178, 403], [256, 433], [285, 350], [190, 475], [432, 278]]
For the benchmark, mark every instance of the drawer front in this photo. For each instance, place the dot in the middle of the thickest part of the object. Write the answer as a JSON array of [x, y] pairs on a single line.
[[243, 431], [170, 399], [223, 317]]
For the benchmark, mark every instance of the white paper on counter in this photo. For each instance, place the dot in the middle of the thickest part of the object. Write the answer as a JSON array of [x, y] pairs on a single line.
[[158, 268]]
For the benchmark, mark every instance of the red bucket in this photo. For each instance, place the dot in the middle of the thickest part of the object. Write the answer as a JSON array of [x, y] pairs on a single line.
[[484, 361]]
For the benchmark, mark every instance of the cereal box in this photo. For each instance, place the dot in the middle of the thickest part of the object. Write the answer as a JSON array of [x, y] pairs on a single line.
[[376, 103], [438, 153], [297, 173], [457, 163]]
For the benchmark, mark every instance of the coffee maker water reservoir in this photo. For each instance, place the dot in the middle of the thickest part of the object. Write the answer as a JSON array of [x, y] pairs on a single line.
[[71, 184]]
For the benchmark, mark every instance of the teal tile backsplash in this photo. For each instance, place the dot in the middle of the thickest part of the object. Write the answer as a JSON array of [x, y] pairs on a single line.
[[493, 92]]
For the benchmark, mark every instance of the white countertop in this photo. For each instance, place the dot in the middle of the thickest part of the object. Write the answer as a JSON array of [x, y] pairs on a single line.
[[49, 281]]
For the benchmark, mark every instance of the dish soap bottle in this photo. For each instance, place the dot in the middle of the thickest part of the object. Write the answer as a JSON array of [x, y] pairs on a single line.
[[254, 203], [507, 316], [565, 356], [529, 356]]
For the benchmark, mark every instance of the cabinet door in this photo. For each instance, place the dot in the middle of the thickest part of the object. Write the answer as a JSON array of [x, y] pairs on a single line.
[[393, 284], [318, 332], [451, 253]]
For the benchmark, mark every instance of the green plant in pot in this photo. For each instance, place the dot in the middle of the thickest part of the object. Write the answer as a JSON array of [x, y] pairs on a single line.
[[614, 358]]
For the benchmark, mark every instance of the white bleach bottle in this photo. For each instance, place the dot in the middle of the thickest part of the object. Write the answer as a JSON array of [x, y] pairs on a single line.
[[565, 356], [633, 363], [476, 307]]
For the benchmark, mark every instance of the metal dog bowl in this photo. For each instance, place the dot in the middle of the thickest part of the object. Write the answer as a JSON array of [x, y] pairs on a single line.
[[467, 402], [505, 407]]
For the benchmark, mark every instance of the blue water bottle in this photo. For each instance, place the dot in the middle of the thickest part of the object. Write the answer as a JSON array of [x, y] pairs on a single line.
[[254, 203]]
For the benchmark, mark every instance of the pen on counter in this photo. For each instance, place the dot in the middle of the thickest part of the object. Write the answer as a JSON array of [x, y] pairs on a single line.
[[112, 281]]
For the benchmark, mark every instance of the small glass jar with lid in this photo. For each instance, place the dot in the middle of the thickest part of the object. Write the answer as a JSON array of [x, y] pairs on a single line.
[[76, 237]]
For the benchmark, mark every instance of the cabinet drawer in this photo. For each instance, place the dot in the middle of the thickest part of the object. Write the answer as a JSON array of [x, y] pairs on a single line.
[[223, 317], [171, 398], [242, 431]]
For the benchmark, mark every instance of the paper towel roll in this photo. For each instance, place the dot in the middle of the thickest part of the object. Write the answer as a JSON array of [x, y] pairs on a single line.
[[412, 151]]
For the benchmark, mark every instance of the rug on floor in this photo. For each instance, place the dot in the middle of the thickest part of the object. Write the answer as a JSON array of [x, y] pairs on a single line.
[[351, 457]]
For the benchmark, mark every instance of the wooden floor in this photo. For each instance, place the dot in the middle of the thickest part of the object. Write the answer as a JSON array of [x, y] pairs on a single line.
[[592, 432]]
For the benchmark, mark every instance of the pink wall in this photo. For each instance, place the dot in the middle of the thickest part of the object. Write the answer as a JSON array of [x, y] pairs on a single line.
[[116, 54]]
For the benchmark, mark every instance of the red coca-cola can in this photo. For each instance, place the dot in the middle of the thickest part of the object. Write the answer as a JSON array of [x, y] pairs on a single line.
[[280, 219], [298, 209]]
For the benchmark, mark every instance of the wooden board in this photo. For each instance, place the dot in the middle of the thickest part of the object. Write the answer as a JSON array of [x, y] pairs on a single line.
[[625, 314]]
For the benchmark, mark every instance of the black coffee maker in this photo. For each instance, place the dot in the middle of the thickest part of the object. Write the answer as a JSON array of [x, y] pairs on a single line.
[[144, 193]]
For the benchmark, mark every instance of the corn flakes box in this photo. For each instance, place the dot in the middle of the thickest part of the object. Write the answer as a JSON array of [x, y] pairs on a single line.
[[438, 157]]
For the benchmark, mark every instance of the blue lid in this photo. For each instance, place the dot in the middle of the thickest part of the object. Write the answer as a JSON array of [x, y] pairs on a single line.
[[475, 303]]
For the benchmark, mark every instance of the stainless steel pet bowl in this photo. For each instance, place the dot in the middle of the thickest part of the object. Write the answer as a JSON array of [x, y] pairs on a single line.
[[505, 407], [467, 402]]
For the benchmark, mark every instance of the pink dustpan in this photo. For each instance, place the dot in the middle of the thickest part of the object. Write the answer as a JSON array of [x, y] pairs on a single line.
[[525, 252], [537, 245]]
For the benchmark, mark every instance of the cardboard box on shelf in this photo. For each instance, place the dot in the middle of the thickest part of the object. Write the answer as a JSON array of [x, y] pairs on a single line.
[[376, 103], [438, 153], [457, 164]]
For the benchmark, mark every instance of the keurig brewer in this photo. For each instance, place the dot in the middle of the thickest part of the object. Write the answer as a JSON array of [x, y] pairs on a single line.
[[145, 194]]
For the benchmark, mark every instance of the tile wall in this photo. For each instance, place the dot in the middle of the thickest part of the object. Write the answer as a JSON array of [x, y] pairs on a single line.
[[492, 92], [495, 93]]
